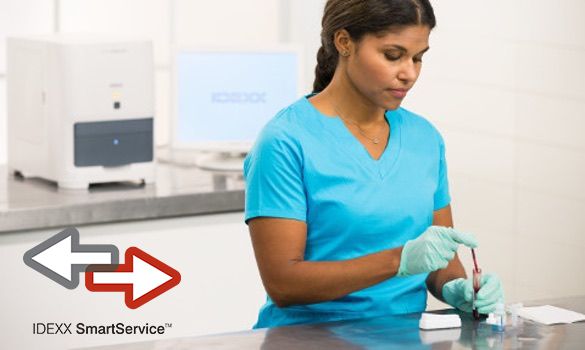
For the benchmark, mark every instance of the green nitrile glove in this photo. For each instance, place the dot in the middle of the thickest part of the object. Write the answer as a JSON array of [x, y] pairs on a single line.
[[459, 293], [432, 250]]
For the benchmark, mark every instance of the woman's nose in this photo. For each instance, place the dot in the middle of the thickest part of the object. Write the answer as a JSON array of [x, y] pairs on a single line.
[[408, 71]]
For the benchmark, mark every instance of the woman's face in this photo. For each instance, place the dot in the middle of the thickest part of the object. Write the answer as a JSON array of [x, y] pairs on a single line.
[[383, 68]]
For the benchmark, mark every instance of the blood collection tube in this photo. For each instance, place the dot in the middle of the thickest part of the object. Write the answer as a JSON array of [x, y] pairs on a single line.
[[476, 286]]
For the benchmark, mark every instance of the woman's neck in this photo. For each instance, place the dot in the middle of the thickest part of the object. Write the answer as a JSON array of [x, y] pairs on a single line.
[[342, 98]]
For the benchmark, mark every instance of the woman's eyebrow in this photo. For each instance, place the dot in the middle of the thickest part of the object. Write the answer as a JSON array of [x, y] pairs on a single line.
[[402, 48]]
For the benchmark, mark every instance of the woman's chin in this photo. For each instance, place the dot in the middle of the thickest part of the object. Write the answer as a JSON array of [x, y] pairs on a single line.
[[391, 105]]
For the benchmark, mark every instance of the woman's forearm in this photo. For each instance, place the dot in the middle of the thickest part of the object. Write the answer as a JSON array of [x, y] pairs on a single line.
[[437, 279], [306, 282]]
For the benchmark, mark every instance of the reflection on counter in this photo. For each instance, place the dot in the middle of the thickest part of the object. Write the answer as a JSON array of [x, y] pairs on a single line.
[[391, 332]]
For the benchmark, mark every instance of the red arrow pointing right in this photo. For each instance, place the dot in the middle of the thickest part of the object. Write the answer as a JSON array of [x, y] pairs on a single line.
[[142, 278]]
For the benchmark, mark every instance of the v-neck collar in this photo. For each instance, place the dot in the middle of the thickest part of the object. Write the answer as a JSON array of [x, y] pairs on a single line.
[[381, 167]]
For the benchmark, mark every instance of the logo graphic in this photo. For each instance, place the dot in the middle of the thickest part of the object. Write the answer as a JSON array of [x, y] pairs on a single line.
[[238, 97], [142, 277]]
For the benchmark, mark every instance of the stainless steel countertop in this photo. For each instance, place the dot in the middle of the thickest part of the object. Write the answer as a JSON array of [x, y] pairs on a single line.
[[27, 204], [396, 332]]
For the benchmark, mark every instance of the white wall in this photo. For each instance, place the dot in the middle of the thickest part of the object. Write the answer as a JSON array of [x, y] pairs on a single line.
[[3, 136], [504, 83], [304, 28]]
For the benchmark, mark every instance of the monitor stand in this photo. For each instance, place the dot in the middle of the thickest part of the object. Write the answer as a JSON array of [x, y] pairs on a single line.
[[221, 161]]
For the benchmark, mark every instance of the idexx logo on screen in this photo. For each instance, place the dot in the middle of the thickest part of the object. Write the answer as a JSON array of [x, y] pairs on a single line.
[[141, 277], [238, 97]]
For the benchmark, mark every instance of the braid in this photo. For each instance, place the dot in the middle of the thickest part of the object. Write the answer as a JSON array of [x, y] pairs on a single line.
[[326, 64]]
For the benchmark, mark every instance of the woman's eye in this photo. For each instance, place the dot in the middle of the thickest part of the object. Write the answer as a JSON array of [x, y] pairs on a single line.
[[392, 57], [417, 59]]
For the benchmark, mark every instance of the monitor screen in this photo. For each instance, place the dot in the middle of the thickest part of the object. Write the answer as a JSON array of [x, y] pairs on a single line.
[[224, 97]]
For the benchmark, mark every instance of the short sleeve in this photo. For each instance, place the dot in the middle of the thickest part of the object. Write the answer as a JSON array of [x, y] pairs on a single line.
[[442, 197], [273, 175]]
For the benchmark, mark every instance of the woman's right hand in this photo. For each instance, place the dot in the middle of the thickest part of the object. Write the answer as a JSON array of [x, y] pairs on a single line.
[[432, 250]]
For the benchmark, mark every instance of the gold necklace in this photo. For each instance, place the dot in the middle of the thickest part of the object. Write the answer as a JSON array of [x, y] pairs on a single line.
[[375, 140]]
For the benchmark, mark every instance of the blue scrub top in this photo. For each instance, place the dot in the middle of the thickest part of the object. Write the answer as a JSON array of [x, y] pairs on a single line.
[[309, 167]]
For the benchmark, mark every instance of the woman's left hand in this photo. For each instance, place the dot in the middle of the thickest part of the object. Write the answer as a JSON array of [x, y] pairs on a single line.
[[459, 293]]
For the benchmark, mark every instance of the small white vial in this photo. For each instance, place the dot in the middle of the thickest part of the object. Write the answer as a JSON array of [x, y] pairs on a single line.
[[514, 309], [500, 318]]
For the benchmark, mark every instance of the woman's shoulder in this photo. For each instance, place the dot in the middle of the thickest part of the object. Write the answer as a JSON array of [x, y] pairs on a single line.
[[289, 122], [295, 114], [417, 122], [286, 127]]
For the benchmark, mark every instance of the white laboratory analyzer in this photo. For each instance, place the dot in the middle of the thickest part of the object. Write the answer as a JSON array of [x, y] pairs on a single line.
[[80, 109]]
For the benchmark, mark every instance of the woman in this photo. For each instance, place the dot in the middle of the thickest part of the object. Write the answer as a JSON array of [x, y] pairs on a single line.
[[347, 196]]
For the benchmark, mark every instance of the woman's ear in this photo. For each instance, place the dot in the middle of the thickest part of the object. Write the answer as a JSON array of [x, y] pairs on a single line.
[[343, 43]]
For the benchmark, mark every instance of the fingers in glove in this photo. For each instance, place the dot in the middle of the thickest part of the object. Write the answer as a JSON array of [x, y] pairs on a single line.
[[468, 291], [486, 309], [490, 287], [466, 239], [467, 307], [447, 255], [443, 246]]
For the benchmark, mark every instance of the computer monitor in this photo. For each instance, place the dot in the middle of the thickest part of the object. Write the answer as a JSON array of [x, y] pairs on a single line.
[[223, 97]]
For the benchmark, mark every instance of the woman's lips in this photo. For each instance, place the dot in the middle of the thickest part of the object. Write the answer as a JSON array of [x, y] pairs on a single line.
[[398, 93]]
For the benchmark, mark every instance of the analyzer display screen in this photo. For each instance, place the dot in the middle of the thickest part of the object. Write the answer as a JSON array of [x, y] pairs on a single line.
[[229, 96]]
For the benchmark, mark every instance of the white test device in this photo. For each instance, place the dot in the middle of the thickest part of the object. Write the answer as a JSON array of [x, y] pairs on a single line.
[[430, 321], [80, 109]]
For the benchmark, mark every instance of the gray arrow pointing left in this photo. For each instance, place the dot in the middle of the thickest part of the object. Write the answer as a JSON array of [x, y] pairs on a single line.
[[62, 258]]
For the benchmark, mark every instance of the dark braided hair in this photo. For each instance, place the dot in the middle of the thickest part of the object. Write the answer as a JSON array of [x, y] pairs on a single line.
[[361, 17]]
